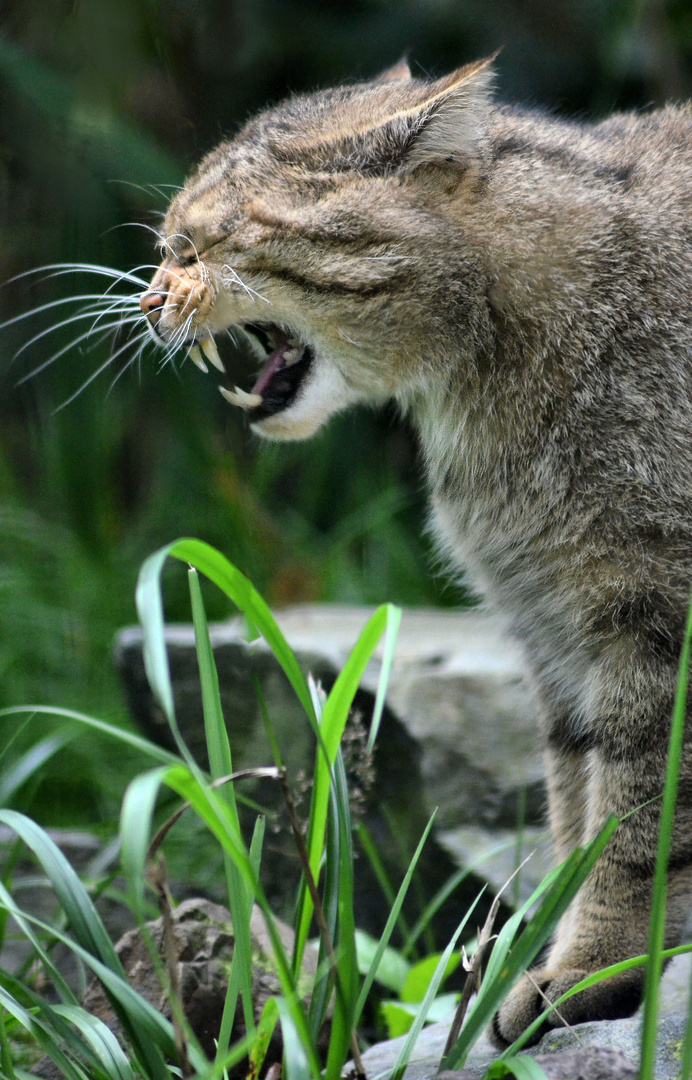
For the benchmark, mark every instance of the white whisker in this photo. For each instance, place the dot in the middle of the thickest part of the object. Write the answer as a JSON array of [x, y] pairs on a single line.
[[57, 269], [136, 357], [66, 348], [176, 341], [94, 375], [88, 314], [53, 303], [235, 279]]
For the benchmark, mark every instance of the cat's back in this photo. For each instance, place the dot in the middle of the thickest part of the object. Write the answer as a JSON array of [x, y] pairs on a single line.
[[630, 151], [632, 170]]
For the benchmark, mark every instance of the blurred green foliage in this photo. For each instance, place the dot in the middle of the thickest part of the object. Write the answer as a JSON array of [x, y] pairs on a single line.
[[103, 105]]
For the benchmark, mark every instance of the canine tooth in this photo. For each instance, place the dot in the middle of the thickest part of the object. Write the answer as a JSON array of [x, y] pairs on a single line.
[[208, 347], [292, 356], [196, 357], [294, 342], [241, 398]]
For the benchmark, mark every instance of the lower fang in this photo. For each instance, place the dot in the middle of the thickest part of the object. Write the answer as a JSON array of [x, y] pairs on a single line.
[[292, 356], [208, 347], [196, 357], [241, 398]]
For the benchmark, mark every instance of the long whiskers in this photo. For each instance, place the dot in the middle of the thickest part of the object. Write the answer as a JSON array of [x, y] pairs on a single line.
[[95, 374], [107, 315], [234, 278]]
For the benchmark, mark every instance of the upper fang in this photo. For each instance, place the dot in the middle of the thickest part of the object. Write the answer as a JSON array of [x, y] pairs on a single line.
[[196, 357], [208, 347]]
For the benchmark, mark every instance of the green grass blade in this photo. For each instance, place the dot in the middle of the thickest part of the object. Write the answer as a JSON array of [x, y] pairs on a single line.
[[330, 906], [298, 1067], [265, 1029], [334, 717], [59, 984], [92, 939], [391, 631], [149, 749], [6, 1062], [73, 897], [345, 943], [523, 1068], [37, 755], [49, 1016], [507, 965], [49, 1043], [218, 746], [657, 924], [221, 764], [214, 812], [149, 1033], [231, 582], [136, 816], [105, 1046], [390, 924], [430, 994]]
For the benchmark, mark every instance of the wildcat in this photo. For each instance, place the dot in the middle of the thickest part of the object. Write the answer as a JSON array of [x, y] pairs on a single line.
[[522, 288]]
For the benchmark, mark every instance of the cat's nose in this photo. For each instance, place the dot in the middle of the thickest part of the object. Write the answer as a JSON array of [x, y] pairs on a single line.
[[151, 302]]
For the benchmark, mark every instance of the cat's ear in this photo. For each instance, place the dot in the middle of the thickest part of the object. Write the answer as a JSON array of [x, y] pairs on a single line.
[[400, 72], [448, 123]]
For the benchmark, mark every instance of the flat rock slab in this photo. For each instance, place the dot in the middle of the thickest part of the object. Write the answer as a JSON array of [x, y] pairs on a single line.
[[605, 1050], [457, 684], [457, 735]]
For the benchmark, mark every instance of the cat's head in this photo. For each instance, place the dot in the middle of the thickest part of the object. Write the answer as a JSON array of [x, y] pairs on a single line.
[[319, 230]]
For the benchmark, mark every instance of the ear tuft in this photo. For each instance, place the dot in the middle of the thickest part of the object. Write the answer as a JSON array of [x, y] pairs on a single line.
[[453, 120], [400, 72]]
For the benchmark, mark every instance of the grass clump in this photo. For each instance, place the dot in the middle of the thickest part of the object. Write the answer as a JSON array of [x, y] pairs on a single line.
[[319, 1030]]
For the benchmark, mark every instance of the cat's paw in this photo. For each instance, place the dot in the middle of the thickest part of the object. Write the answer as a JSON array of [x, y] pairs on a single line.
[[610, 999]]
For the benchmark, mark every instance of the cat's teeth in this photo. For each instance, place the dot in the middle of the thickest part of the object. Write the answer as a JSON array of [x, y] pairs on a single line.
[[208, 347], [293, 355], [196, 357], [294, 342], [241, 398]]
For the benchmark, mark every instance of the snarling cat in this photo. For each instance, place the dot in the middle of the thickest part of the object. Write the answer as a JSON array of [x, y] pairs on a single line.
[[522, 288]]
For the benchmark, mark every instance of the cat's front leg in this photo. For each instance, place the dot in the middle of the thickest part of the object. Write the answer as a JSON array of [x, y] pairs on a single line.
[[609, 919]]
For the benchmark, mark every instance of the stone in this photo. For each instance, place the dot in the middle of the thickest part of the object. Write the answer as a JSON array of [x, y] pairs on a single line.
[[603, 1050], [204, 941], [624, 1035], [454, 679]]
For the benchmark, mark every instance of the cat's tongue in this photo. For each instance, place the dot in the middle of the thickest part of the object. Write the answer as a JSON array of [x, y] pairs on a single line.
[[278, 381], [285, 354]]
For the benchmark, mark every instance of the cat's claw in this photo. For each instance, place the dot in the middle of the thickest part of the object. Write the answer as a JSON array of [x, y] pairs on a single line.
[[241, 398]]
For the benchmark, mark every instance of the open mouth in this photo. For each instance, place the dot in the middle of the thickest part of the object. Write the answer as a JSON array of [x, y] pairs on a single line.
[[287, 361]]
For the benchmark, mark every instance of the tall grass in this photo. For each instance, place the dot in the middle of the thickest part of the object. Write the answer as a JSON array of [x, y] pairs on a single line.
[[81, 1046]]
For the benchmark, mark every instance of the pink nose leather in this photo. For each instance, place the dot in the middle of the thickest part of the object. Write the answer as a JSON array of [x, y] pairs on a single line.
[[150, 302]]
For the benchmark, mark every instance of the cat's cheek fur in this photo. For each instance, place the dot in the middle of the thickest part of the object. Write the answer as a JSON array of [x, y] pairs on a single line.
[[323, 393]]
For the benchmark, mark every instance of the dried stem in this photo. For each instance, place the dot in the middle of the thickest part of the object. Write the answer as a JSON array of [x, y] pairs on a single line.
[[475, 964]]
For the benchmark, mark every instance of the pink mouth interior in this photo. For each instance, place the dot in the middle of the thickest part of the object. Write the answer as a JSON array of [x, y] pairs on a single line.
[[273, 364]]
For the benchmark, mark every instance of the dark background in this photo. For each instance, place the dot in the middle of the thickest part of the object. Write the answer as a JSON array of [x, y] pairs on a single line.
[[103, 104]]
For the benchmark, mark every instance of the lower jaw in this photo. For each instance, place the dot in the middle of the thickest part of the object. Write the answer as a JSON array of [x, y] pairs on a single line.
[[282, 427]]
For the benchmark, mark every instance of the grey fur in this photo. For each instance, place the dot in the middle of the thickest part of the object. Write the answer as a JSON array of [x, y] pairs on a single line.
[[522, 287]]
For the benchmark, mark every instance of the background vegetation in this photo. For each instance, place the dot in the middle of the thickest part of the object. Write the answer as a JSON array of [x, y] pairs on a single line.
[[103, 103]]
